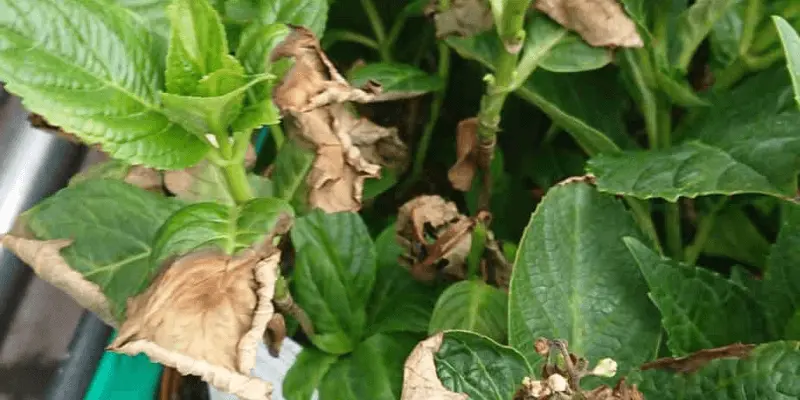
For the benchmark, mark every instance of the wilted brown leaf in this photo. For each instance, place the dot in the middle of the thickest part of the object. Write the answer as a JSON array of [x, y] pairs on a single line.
[[697, 360], [463, 171], [275, 333], [204, 315], [463, 17], [450, 229], [348, 149], [45, 259], [420, 381], [620, 392], [38, 121], [599, 22]]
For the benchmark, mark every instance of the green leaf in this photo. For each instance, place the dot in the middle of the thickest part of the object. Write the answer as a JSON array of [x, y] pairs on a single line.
[[688, 170], [373, 371], [726, 34], [311, 14], [472, 306], [121, 217], [398, 303], [694, 24], [210, 225], [393, 78], [334, 277], [292, 164], [480, 367], [255, 116], [256, 44], [375, 187], [111, 169], [197, 44], [768, 372], [734, 236], [305, 375], [588, 105], [781, 285], [699, 308], [554, 48], [204, 115], [744, 138], [574, 279], [154, 13], [791, 47], [90, 81]]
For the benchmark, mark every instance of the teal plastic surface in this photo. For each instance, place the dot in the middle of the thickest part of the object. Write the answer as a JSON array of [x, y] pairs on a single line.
[[122, 377]]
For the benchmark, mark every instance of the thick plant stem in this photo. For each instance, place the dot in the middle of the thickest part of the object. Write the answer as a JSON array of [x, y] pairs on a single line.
[[239, 187], [703, 233], [497, 91]]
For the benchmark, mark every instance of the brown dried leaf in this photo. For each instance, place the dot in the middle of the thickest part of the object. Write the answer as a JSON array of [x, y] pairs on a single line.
[[348, 149], [145, 178], [38, 121], [45, 259], [204, 315], [419, 374], [464, 18], [463, 171], [600, 23], [452, 231], [275, 333], [620, 392], [697, 360]]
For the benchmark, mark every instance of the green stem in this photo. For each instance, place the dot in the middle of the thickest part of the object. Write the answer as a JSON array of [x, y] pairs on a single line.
[[672, 211], [377, 27], [436, 108], [704, 229], [333, 36], [239, 187], [647, 99], [277, 135], [497, 91]]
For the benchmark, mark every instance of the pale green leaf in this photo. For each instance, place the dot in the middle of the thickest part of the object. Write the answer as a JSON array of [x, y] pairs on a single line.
[[217, 226], [311, 14], [154, 12], [206, 115], [791, 47], [256, 44], [396, 78], [112, 225], [699, 308], [373, 371], [574, 279], [197, 45], [88, 67], [306, 373], [480, 367], [334, 276], [768, 372], [472, 306]]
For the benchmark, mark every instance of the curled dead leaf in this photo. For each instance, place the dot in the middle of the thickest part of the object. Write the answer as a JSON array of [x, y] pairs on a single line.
[[441, 222], [348, 149], [204, 315], [275, 333], [419, 374], [471, 153], [437, 240], [699, 359], [601, 23], [463, 17], [44, 257]]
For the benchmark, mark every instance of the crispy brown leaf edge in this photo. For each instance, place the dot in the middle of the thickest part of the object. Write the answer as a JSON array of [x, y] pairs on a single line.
[[237, 382], [699, 359], [420, 381], [601, 23], [44, 258]]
